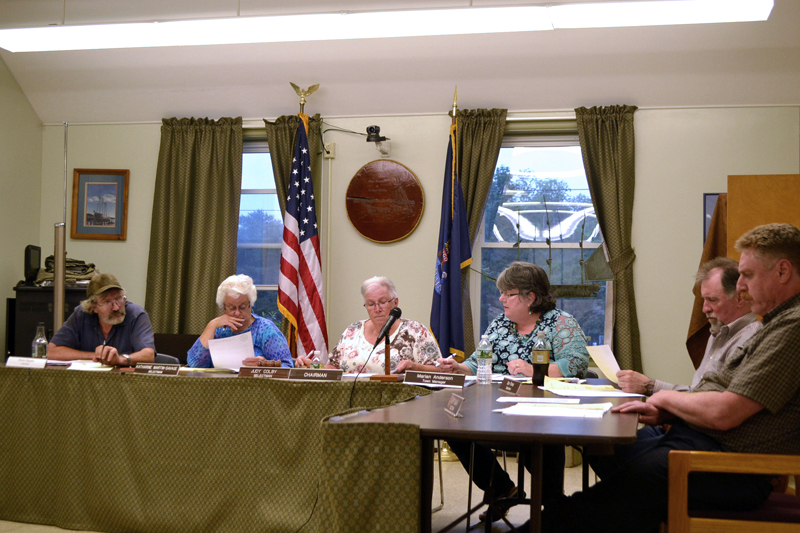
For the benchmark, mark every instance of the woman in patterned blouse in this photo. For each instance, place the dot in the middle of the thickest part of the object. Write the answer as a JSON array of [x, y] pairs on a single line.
[[528, 308], [413, 347]]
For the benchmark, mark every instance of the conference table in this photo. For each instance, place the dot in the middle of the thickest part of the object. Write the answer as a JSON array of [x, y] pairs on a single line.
[[480, 423]]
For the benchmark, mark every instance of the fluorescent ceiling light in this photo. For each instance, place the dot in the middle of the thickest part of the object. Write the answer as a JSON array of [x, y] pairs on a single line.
[[375, 25]]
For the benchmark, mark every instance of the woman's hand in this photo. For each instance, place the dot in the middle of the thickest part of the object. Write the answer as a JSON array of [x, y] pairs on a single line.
[[302, 362], [222, 321], [451, 366], [519, 367], [254, 361], [403, 366]]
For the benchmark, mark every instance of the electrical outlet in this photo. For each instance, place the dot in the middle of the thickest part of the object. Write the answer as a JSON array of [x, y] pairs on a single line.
[[330, 151]]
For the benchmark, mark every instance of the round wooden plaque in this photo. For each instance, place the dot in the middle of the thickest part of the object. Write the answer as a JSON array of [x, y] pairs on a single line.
[[385, 201]]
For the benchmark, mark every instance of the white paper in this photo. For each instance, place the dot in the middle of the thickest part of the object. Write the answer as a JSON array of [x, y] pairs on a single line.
[[589, 410], [229, 352], [526, 399], [594, 393], [604, 357], [85, 364]]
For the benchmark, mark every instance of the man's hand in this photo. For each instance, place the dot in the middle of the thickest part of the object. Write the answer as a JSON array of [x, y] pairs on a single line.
[[649, 414], [631, 381], [108, 355]]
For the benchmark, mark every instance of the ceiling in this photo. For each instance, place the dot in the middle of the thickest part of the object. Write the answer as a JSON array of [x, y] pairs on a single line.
[[672, 66]]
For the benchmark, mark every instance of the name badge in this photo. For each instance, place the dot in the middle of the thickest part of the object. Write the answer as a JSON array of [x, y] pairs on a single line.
[[321, 374], [25, 362], [453, 407], [155, 368], [510, 386], [435, 379], [264, 372]]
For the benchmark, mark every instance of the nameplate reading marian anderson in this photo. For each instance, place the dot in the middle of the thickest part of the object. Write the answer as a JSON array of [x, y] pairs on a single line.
[[155, 368], [322, 374], [267, 372], [435, 379]]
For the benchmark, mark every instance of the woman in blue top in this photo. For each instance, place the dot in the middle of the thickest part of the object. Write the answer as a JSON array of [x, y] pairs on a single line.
[[235, 297], [528, 308]]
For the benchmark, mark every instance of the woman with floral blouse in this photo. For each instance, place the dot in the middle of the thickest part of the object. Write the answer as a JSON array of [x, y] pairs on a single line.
[[413, 347], [528, 308]]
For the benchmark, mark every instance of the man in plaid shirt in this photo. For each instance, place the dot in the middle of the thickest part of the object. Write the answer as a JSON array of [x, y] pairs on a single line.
[[751, 405]]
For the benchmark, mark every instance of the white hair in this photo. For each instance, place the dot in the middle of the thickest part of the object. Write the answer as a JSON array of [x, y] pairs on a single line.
[[235, 286], [378, 281]]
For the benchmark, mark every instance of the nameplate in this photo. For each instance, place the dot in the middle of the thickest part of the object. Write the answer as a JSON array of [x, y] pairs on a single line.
[[313, 374], [157, 368], [453, 407], [435, 379], [510, 386], [25, 362], [264, 372]]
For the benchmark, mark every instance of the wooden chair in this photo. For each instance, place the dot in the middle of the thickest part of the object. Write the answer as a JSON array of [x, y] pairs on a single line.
[[779, 514]]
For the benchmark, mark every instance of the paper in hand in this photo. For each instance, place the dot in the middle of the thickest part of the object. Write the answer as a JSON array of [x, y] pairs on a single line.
[[604, 357], [229, 352]]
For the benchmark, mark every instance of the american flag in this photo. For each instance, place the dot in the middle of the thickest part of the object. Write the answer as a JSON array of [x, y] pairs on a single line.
[[300, 282]]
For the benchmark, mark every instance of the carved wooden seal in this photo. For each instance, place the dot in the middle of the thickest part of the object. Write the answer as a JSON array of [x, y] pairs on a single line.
[[385, 201]]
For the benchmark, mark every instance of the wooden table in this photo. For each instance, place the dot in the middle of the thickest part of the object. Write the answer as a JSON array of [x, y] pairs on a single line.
[[479, 423]]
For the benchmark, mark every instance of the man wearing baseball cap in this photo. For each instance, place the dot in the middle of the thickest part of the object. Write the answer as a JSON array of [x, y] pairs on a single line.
[[105, 327]]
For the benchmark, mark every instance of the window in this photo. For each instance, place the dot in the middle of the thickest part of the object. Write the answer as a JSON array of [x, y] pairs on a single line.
[[260, 235], [537, 182]]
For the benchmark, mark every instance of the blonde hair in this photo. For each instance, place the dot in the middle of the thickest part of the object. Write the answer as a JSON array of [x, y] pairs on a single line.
[[773, 241]]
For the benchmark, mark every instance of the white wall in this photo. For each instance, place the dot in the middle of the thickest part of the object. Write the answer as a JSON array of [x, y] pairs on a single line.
[[20, 171], [681, 153]]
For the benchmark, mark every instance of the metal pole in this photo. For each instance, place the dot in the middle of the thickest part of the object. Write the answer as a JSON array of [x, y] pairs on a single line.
[[60, 253]]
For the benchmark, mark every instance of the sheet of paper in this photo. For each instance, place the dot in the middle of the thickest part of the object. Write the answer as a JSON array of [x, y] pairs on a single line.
[[588, 410], [231, 351], [525, 399], [83, 364], [606, 362], [562, 388]]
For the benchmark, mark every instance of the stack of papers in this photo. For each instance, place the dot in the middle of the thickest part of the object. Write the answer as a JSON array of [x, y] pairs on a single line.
[[85, 364], [585, 391]]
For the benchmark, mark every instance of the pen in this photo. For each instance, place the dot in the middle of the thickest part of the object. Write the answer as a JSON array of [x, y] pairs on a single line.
[[436, 363]]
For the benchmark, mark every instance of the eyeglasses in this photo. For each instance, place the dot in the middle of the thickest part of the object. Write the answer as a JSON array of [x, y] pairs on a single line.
[[507, 295], [232, 308], [381, 303], [109, 304]]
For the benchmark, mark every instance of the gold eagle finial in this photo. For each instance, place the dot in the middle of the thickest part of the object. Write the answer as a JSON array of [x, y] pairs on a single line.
[[302, 93]]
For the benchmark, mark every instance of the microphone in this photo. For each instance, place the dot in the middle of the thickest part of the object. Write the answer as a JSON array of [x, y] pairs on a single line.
[[394, 314]]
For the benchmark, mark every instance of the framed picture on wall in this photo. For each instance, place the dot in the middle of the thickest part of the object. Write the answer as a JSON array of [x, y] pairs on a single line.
[[100, 204], [709, 203]]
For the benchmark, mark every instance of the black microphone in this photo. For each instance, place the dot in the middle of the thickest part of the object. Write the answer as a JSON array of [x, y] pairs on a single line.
[[394, 314]]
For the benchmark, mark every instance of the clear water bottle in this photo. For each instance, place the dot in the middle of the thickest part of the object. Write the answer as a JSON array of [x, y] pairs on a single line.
[[39, 344], [540, 358], [485, 361], [316, 362]]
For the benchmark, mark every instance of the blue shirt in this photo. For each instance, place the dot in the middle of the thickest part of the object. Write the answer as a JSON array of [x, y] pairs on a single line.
[[82, 332], [268, 342], [566, 338]]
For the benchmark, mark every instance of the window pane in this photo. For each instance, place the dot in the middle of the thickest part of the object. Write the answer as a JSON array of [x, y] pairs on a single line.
[[540, 192], [260, 219], [257, 171], [261, 264], [267, 306]]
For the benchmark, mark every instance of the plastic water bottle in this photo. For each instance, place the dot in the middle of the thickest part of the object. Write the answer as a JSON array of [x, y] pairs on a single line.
[[540, 358], [485, 361], [39, 344], [316, 362]]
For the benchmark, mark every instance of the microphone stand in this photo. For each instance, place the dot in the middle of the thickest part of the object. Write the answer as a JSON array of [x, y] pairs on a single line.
[[387, 375]]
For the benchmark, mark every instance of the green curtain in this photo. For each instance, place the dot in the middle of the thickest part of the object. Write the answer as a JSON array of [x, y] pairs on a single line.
[[607, 145], [281, 139], [195, 221], [480, 134]]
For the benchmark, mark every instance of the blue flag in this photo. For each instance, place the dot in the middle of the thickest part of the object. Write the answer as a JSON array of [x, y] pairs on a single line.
[[452, 254]]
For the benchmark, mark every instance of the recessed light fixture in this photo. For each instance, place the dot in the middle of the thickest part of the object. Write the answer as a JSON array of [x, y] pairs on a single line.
[[383, 24]]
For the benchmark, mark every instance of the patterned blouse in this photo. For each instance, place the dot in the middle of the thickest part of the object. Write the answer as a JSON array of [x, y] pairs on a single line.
[[411, 341], [561, 329]]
